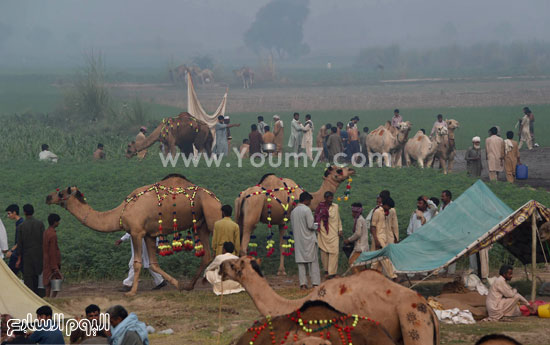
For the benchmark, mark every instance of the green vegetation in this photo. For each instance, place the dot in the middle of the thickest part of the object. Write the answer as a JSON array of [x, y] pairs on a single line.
[[90, 254]]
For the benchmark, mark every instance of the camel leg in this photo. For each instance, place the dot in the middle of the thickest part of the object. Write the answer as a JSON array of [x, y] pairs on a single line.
[[250, 218], [204, 235], [407, 160], [420, 163], [443, 165], [386, 159], [281, 271], [419, 325], [451, 162], [153, 261], [138, 250]]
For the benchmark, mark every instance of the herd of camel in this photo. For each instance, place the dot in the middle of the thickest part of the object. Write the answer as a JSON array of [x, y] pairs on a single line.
[[403, 316], [206, 76]]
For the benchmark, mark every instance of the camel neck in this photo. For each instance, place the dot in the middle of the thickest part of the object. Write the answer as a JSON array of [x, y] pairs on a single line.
[[149, 140], [267, 301], [328, 185], [108, 221]]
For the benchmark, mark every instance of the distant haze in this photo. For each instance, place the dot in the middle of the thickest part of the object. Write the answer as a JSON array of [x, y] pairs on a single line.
[[143, 32]]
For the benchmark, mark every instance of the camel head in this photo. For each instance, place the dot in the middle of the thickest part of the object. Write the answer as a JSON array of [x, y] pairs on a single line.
[[60, 196], [338, 174], [131, 150], [452, 124], [241, 268], [404, 127]]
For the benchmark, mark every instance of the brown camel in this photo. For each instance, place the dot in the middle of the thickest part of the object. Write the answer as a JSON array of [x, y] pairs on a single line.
[[446, 150], [421, 149], [387, 140], [404, 314], [143, 213], [182, 131], [251, 207], [355, 328], [246, 74]]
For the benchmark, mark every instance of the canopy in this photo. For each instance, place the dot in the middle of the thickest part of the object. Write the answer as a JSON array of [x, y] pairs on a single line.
[[474, 221], [195, 108], [16, 299]]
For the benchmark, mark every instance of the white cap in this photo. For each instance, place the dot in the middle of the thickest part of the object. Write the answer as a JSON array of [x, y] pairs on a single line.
[[276, 116], [226, 117], [476, 139]]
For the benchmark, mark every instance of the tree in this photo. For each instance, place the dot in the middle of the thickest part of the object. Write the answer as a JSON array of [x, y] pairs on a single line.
[[278, 29]]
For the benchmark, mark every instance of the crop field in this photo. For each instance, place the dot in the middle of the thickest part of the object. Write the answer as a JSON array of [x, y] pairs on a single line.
[[90, 260]]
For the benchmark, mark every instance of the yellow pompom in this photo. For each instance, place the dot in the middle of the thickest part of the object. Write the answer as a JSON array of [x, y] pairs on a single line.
[[349, 179], [339, 199], [346, 198]]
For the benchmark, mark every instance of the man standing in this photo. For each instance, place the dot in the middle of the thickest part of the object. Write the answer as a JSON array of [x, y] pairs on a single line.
[[525, 130], [438, 124], [52, 255], [13, 254], [446, 199], [425, 211], [334, 145], [473, 158], [353, 135], [226, 230], [268, 137], [212, 272], [307, 140], [305, 238], [330, 230], [511, 156], [221, 127], [99, 153], [129, 281], [360, 235], [279, 133], [140, 137], [503, 300], [380, 230], [255, 140], [529, 113], [296, 133], [46, 155], [396, 119], [261, 125], [494, 147], [29, 246]]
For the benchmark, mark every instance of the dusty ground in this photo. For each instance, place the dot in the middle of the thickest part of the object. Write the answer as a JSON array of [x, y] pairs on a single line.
[[377, 95], [195, 316]]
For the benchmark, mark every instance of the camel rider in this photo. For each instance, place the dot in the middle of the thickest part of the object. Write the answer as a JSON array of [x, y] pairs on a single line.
[[140, 137], [438, 124], [396, 119]]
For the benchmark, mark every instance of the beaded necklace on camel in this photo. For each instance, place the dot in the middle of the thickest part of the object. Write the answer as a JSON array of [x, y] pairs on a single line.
[[288, 249], [178, 244], [169, 123], [323, 326]]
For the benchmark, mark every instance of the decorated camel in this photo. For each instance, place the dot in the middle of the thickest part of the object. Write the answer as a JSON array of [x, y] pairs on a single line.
[[316, 323], [271, 202], [167, 207], [183, 132], [421, 149], [246, 74], [446, 150], [405, 315], [388, 141]]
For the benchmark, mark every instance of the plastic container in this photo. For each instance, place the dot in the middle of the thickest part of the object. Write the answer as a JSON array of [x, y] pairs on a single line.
[[521, 172], [544, 311]]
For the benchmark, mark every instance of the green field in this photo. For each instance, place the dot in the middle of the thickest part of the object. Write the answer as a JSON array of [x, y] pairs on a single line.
[[90, 254]]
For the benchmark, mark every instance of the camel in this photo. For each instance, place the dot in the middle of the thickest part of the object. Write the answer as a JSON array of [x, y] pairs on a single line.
[[421, 149], [246, 74], [446, 150], [206, 76], [182, 131], [251, 208], [285, 329], [405, 314], [174, 201], [387, 141], [178, 74]]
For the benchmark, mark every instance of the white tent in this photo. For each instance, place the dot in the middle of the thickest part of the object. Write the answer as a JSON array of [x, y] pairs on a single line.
[[17, 299]]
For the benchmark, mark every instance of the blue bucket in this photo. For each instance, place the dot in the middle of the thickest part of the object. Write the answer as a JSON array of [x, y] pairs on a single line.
[[522, 172]]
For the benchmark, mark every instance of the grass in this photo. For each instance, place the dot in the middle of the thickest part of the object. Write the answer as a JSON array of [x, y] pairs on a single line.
[[90, 254]]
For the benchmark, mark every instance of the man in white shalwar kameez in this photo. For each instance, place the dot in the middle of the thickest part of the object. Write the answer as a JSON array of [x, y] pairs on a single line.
[[296, 132], [503, 300], [129, 281], [305, 241], [212, 272]]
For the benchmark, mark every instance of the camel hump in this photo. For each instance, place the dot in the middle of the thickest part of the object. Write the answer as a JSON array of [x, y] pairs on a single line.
[[179, 176], [265, 177]]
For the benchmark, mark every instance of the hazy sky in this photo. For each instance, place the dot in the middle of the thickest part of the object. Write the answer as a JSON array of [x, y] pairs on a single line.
[[58, 31]]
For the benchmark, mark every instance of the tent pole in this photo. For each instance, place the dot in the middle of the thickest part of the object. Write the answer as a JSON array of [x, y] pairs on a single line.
[[534, 256]]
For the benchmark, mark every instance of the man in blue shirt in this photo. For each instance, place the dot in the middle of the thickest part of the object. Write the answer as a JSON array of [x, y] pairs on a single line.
[[50, 333], [12, 254]]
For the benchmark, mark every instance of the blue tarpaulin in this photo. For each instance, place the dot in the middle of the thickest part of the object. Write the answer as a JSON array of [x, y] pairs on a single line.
[[441, 241]]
